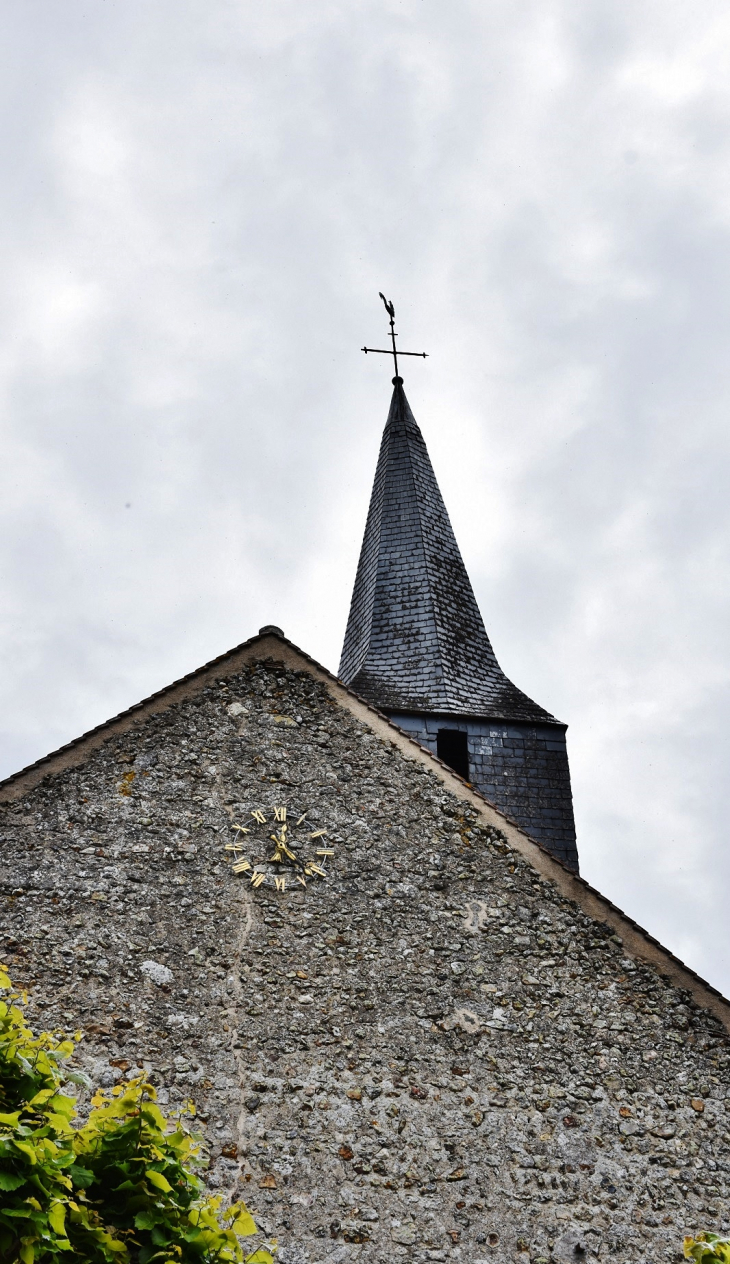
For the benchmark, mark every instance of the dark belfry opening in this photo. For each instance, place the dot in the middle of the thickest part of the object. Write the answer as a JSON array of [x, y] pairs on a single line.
[[451, 747]]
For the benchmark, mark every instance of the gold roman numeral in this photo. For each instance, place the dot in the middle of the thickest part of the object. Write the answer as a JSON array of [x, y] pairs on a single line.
[[323, 851], [257, 878], [280, 883], [241, 828], [312, 868], [280, 814], [258, 815], [242, 866], [318, 833]]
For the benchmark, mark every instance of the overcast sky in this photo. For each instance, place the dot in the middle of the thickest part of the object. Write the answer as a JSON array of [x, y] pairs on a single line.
[[200, 201]]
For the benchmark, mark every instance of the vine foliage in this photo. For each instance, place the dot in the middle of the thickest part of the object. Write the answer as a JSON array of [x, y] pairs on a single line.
[[707, 1247]]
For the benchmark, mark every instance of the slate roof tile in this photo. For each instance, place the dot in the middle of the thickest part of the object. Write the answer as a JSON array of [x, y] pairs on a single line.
[[415, 639]]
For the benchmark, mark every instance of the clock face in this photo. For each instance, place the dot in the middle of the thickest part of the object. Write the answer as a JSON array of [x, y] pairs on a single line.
[[279, 848]]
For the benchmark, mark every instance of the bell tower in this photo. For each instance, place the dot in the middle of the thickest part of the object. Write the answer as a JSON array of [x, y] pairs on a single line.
[[416, 648]]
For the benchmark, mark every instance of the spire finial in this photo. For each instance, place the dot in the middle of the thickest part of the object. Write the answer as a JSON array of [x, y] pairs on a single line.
[[390, 309]]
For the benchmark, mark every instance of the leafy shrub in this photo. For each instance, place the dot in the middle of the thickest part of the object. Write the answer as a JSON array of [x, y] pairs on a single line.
[[122, 1187], [707, 1247]]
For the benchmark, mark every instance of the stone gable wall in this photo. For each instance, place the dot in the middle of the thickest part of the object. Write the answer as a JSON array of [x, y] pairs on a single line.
[[431, 1056]]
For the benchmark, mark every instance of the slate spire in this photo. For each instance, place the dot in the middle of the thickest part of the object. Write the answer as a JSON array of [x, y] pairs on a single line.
[[415, 639]]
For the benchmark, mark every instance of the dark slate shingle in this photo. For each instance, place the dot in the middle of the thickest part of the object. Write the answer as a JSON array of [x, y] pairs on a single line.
[[415, 639]]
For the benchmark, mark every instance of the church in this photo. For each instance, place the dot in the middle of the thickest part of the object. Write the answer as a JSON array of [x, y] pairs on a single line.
[[343, 916]]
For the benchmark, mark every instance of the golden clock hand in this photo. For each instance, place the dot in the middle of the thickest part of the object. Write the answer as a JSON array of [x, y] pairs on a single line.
[[281, 847]]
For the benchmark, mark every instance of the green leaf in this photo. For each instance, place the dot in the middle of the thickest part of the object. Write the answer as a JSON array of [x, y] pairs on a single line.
[[81, 1176], [244, 1224], [112, 1244], [706, 1248], [59, 1122], [9, 1180], [158, 1180], [57, 1218], [79, 1077]]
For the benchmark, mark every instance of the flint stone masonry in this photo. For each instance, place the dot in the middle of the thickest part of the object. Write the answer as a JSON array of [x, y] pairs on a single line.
[[416, 643], [431, 1055], [522, 768]]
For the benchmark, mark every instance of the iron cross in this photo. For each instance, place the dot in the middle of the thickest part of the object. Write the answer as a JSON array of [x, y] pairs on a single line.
[[393, 335]]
